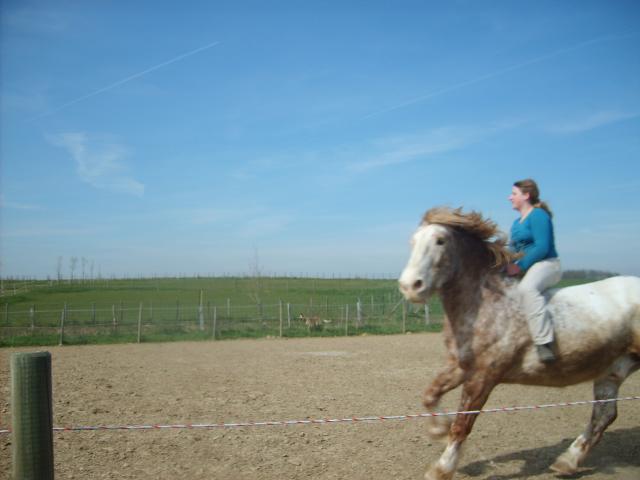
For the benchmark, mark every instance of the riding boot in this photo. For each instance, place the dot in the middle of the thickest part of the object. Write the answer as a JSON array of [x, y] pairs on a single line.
[[545, 353]]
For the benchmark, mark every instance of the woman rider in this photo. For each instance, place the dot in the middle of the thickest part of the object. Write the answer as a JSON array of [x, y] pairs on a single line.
[[532, 235]]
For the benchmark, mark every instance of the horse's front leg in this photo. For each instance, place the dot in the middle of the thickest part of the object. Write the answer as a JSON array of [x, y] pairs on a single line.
[[475, 392], [450, 377]]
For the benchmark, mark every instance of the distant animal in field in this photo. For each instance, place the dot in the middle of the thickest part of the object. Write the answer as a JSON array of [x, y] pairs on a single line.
[[314, 322], [461, 257]]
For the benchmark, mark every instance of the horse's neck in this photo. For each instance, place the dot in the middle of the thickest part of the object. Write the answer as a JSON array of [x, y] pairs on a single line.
[[462, 298], [463, 301]]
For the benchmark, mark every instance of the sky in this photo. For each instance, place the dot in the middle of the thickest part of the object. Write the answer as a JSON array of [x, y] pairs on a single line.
[[308, 138]]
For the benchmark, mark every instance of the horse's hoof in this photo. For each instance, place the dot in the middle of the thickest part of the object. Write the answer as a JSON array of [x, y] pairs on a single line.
[[436, 473], [438, 427], [564, 466]]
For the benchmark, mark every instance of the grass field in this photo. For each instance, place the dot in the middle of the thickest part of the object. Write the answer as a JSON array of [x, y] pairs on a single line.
[[166, 309]]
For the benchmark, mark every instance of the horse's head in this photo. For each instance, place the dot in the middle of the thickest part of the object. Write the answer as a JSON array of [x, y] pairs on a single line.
[[446, 244], [430, 263]]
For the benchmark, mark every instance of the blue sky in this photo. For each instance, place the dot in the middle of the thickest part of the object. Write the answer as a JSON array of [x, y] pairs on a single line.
[[157, 138]]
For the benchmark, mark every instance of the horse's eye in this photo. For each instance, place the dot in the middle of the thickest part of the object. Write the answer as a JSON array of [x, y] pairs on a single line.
[[440, 241]]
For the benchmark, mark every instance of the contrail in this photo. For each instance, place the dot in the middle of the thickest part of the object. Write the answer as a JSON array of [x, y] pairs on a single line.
[[125, 80], [500, 72]]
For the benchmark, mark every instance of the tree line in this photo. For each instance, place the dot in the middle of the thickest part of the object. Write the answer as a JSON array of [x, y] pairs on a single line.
[[86, 272], [587, 274]]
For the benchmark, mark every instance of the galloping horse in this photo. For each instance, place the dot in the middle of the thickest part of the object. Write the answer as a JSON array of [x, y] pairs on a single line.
[[461, 257]]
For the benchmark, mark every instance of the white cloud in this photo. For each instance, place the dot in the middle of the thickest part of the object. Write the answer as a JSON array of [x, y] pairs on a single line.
[[99, 162], [407, 148], [590, 122]]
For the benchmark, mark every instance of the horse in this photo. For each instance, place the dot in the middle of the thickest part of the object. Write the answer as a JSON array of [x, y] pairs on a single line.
[[461, 257]]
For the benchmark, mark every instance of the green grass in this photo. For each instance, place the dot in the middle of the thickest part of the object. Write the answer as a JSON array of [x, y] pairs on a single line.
[[170, 309]]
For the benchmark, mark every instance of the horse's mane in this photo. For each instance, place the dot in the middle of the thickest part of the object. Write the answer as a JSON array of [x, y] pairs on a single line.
[[475, 225]]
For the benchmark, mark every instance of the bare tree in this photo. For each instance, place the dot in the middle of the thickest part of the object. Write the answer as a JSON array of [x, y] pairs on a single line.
[[73, 263], [256, 274], [59, 269], [83, 262]]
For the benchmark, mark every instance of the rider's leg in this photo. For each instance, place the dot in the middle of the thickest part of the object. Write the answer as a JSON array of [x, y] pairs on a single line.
[[538, 278]]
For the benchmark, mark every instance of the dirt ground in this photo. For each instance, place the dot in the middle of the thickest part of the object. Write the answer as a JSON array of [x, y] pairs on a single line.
[[273, 379]]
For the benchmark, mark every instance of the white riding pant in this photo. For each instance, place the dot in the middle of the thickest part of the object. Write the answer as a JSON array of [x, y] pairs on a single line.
[[540, 276]]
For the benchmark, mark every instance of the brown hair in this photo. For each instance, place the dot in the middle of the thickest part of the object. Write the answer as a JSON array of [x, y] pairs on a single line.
[[529, 186]]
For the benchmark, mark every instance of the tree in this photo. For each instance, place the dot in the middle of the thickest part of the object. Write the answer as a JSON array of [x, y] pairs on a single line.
[[255, 274], [59, 269], [73, 263], [83, 262]]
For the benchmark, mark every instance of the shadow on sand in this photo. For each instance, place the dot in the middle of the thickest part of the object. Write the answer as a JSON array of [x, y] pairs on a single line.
[[617, 449]]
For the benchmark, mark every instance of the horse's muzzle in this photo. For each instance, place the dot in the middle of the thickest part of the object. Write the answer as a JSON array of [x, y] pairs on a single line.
[[413, 290]]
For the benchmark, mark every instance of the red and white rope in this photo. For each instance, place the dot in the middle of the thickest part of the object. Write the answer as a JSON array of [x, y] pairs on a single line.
[[320, 421]]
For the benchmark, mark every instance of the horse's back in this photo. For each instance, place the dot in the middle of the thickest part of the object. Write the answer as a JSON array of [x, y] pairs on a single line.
[[606, 308], [595, 324], [620, 291]]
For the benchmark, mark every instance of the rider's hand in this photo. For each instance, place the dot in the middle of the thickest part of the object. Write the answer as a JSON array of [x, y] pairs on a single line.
[[513, 270]]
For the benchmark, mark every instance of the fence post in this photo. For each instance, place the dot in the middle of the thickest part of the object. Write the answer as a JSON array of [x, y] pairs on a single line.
[[215, 319], [358, 313], [151, 312], [288, 315], [32, 317], [346, 320], [64, 314], [201, 314], [139, 322], [404, 316], [371, 316], [115, 320], [6, 314], [280, 310], [228, 308], [93, 313], [32, 418], [426, 315]]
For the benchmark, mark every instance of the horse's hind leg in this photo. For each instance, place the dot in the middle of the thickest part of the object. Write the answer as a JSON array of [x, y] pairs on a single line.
[[602, 416], [450, 377]]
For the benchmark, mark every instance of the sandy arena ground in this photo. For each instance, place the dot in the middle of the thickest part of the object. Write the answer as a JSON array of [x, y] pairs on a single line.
[[271, 379]]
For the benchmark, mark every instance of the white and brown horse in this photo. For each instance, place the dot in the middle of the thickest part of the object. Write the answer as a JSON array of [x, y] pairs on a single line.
[[461, 256]]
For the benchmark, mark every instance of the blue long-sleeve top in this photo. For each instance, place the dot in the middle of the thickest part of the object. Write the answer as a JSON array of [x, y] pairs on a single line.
[[534, 237]]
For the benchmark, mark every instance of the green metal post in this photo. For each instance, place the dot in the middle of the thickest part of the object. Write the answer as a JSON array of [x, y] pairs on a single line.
[[32, 416]]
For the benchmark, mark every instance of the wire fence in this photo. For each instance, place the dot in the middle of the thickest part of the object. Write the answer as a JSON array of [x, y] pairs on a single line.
[[150, 322], [325, 421]]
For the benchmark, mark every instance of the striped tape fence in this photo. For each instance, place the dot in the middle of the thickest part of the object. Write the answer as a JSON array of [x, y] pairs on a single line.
[[321, 421]]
